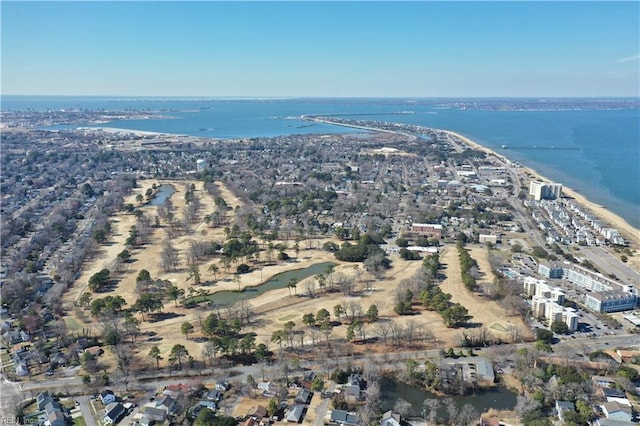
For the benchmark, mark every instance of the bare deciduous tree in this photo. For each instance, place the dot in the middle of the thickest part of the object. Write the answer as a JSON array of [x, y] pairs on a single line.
[[169, 257]]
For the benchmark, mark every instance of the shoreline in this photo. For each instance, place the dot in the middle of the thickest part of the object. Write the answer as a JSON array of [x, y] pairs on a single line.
[[135, 132], [628, 231]]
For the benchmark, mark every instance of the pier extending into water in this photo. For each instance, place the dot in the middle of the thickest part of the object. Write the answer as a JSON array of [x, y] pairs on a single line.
[[560, 148]]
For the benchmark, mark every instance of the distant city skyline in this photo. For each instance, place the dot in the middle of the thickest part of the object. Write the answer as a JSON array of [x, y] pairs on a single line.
[[321, 49]]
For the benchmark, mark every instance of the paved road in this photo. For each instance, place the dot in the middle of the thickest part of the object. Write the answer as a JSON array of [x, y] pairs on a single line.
[[10, 395], [580, 344], [606, 261]]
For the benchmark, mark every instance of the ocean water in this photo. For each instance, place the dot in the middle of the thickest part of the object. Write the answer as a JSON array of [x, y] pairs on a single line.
[[594, 151]]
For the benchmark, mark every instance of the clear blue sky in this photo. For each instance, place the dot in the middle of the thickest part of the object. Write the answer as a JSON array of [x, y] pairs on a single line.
[[414, 49]]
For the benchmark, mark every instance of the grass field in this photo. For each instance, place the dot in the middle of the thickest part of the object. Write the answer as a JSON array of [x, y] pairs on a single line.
[[79, 421]]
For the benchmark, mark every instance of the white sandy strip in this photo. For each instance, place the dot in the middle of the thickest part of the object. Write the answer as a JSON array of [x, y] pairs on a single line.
[[135, 132]]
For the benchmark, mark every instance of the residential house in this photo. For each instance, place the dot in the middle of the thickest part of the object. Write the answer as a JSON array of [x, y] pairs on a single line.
[[83, 343], [357, 379], [58, 359], [267, 388], [257, 417], [223, 386], [55, 415], [11, 337], [488, 238], [151, 414], [343, 418], [42, 399], [172, 393], [114, 412], [390, 419], [351, 393], [55, 418], [355, 384], [52, 405], [107, 397], [159, 410], [214, 395], [608, 422], [627, 355], [296, 413], [615, 395], [490, 421], [93, 350], [21, 367], [304, 396], [167, 404], [258, 412], [249, 422], [616, 411], [562, 406], [195, 410], [180, 387], [603, 381]]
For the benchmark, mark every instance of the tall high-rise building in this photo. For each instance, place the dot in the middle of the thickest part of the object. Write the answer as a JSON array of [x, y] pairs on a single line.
[[545, 191]]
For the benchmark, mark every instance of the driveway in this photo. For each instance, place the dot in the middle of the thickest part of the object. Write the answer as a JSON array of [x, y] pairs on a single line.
[[85, 407], [321, 410]]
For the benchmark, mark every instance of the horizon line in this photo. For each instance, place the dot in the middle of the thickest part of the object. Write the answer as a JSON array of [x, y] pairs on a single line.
[[323, 97]]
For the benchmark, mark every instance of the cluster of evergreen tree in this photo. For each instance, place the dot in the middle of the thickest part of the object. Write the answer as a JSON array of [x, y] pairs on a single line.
[[367, 246], [467, 263], [453, 314]]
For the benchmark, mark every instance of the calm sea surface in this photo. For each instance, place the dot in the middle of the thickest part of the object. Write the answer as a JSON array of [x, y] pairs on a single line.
[[596, 152]]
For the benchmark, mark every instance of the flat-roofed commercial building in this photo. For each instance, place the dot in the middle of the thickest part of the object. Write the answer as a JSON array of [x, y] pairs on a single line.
[[610, 301], [428, 229], [588, 280], [550, 271]]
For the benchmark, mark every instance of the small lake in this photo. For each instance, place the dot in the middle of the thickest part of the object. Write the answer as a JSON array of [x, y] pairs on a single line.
[[497, 397], [226, 298], [164, 192]]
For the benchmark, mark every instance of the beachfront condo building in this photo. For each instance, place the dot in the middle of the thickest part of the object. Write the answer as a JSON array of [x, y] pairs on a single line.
[[545, 191]]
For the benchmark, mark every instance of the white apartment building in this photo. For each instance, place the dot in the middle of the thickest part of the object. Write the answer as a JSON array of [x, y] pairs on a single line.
[[545, 191], [540, 288], [546, 302]]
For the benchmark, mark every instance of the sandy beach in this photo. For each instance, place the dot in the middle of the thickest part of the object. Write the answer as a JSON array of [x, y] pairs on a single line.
[[140, 133], [628, 231]]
